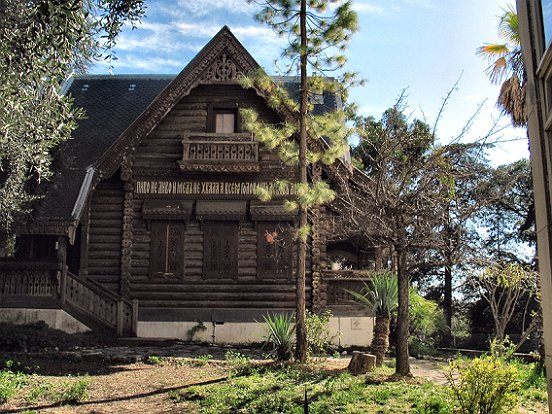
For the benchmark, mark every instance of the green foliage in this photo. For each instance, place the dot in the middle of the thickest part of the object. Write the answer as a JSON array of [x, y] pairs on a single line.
[[281, 390], [202, 360], [380, 296], [41, 44], [280, 336], [10, 383], [427, 321], [485, 385], [318, 334], [39, 391], [240, 363], [154, 360], [71, 392]]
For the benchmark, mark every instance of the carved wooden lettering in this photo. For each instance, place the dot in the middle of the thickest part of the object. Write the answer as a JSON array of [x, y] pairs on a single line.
[[210, 187]]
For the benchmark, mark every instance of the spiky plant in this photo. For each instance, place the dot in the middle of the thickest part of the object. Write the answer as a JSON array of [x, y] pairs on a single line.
[[381, 298], [281, 329]]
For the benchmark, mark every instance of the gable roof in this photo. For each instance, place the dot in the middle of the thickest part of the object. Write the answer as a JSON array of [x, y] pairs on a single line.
[[120, 112]]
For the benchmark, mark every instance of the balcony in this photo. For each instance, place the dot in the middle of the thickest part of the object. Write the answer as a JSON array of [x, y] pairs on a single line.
[[215, 152], [334, 287]]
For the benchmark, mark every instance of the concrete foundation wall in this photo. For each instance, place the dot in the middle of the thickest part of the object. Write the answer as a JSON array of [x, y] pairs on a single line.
[[348, 331], [54, 318]]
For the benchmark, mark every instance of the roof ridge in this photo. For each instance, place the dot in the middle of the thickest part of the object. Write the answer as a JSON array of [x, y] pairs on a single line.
[[127, 76]]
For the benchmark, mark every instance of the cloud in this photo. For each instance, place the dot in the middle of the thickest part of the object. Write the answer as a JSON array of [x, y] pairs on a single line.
[[207, 8], [368, 8]]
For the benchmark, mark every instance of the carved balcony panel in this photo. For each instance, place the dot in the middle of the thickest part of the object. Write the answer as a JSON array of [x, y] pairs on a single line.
[[217, 152]]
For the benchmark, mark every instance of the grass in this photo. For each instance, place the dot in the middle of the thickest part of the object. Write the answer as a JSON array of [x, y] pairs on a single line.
[[273, 389], [281, 389], [261, 388], [70, 390]]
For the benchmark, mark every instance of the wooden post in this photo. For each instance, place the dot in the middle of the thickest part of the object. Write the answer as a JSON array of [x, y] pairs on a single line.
[[120, 318], [62, 268], [135, 317]]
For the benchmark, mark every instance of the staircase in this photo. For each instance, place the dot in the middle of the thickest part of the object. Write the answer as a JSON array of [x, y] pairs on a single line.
[[39, 285]]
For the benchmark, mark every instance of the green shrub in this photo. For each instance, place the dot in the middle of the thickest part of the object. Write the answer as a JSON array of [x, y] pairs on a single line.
[[72, 392], [10, 383], [280, 335], [427, 322], [485, 385], [201, 360], [39, 391], [318, 334], [240, 364], [154, 360]]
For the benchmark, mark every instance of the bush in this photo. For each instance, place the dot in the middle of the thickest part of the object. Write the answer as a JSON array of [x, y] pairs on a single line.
[[318, 334], [485, 385], [72, 392], [427, 322], [240, 363], [9, 384]]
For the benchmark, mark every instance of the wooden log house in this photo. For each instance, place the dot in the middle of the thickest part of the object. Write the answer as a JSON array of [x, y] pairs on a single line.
[[151, 225]]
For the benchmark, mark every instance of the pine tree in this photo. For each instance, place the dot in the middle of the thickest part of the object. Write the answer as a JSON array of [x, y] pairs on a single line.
[[318, 32]]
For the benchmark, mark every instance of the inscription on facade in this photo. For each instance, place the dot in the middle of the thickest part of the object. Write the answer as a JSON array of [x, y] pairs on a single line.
[[210, 187]]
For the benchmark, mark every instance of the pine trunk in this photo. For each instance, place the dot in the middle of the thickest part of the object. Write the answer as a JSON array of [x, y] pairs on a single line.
[[301, 334]]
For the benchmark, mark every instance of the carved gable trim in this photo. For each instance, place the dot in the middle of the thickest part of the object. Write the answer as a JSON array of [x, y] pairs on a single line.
[[222, 70]]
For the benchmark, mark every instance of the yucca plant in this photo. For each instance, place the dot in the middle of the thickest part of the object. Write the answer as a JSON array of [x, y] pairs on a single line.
[[281, 329], [381, 298]]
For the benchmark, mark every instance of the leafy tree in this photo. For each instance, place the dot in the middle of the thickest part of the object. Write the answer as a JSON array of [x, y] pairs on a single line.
[[505, 287], [42, 42], [380, 298], [410, 201], [508, 220], [506, 67], [318, 32]]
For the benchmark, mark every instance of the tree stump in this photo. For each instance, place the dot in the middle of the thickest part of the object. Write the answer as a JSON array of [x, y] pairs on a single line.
[[361, 363]]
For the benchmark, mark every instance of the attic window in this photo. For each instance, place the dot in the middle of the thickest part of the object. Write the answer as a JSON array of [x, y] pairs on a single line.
[[85, 87], [225, 121], [223, 118], [132, 86], [316, 98]]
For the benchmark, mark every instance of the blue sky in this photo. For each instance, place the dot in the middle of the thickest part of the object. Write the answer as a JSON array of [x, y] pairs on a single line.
[[423, 46]]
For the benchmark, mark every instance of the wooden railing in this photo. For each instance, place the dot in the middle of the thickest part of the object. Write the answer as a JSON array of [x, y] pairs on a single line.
[[220, 152], [335, 287], [101, 304], [39, 284], [34, 278]]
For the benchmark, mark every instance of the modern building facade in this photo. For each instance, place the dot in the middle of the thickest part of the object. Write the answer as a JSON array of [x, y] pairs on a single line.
[[535, 29]]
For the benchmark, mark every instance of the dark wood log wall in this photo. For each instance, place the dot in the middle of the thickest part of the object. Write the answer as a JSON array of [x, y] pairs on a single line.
[[105, 232], [156, 159]]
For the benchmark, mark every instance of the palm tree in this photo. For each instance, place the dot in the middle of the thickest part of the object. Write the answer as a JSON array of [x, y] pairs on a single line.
[[381, 298], [506, 67]]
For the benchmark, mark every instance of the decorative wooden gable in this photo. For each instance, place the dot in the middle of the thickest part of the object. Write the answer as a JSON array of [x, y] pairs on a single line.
[[222, 61]]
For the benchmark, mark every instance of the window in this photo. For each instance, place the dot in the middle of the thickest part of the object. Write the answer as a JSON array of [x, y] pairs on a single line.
[[274, 249], [223, 118], [220, 249], [225, 121], [167, 249]]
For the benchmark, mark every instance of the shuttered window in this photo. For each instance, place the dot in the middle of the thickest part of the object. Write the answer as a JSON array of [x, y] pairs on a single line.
[[274, 249], [167, 249], [220, 249]]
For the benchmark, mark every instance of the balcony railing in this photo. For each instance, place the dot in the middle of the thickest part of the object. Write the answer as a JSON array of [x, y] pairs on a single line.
[[220, 152], [335, 287]]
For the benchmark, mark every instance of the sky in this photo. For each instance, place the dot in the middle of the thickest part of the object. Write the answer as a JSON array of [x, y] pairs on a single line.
[[421, 47]]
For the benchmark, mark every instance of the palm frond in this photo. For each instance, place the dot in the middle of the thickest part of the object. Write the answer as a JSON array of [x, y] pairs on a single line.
[[380, 296]]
